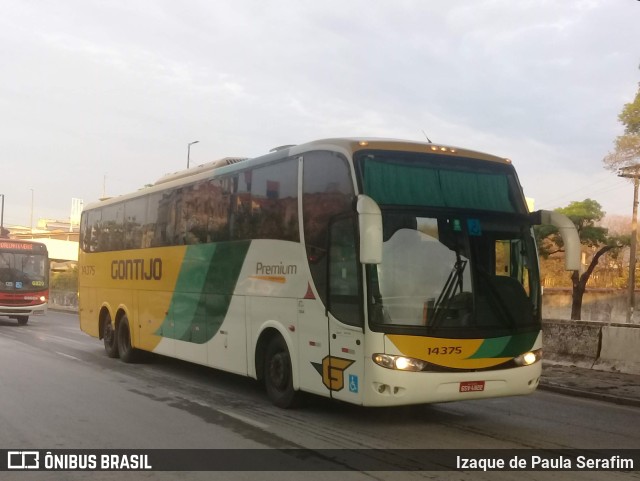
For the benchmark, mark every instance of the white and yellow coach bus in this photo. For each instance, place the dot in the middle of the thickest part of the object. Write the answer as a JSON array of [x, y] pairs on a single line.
[[376, 272]]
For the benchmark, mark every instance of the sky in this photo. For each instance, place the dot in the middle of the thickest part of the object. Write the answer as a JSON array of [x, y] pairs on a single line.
[[100, 97]]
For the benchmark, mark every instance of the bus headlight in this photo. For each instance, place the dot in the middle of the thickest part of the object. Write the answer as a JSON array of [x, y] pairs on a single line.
[[528, 358], [400, 363]]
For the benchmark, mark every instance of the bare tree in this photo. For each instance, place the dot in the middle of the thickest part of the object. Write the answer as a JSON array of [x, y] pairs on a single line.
[[585, 215]]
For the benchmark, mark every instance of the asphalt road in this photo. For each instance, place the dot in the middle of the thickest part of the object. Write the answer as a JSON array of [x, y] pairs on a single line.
[[58, 390]]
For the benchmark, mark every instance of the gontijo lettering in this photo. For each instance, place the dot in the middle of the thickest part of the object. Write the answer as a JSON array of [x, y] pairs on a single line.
[[137, 269]]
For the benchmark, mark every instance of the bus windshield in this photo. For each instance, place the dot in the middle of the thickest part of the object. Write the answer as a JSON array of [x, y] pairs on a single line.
[[20, 271], [459, 259], [447, 272]]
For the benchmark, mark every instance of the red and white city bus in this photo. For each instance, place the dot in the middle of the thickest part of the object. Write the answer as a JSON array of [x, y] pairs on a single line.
[[24, 279]]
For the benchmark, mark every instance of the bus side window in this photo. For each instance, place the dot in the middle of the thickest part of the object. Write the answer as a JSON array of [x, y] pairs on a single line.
[[154, 231], [274, 199], [343, 273], [265, 203], [327, 191], [111, 236], [135, 213], [91, 229]]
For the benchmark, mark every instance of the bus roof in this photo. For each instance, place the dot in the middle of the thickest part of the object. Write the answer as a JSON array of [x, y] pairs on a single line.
[[347, 146], [353, 145]]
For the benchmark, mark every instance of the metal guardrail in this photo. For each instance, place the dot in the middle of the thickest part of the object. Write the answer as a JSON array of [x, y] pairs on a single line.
[[65, 299]]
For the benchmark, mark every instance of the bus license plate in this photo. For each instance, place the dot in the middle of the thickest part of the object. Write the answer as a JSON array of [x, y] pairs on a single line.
[[472, 386]]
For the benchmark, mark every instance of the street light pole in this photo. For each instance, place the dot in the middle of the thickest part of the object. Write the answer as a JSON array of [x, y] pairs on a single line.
[[189, 150], [31, 217]]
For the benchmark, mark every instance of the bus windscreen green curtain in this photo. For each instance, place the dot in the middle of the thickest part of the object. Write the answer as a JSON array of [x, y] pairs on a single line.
[[391, 183]]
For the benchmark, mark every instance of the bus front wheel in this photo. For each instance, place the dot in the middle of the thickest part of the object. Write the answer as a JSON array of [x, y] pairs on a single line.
[[22, 320], [278, 378]]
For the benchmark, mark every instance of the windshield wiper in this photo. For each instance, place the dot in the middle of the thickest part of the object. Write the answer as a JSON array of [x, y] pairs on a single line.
[[453, 284]]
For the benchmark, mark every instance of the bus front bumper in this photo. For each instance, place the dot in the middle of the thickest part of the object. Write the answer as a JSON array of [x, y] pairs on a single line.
[[388, 387]]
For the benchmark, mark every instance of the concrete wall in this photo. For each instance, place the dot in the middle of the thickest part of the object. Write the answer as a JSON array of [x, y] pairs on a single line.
[[593, 344], [575, 342], [606, 305], [66, 299], [620, 349]]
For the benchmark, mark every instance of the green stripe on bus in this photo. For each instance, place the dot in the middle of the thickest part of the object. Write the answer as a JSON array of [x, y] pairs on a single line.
[[203, 291], [507, 346]]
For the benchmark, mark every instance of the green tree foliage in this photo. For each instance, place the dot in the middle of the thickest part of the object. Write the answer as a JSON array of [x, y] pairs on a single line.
[[585, 215], [65, 280], [626, 153], [630, 115], [627, 147]]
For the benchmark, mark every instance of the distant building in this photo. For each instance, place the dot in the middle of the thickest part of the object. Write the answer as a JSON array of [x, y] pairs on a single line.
[[60, 237]]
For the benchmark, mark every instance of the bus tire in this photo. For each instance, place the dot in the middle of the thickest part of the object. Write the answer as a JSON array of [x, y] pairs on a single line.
[[109, 338], [278, 377], [22, 320], [127, 352]]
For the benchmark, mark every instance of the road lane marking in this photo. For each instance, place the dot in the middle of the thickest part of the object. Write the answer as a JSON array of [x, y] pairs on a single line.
[[244, 419], [44, 337], [68, 356], [237, 417]]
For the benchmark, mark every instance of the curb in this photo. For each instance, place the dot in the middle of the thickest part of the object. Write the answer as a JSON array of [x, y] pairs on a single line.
[[58, 308], [624, 401]]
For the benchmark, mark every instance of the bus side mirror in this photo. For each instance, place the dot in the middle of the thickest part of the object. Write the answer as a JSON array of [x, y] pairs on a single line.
[[568, 232], [370, 227]]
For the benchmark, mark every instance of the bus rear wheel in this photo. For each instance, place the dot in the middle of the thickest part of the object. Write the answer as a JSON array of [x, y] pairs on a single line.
[[109, 338], [278, 377], [127, 352]]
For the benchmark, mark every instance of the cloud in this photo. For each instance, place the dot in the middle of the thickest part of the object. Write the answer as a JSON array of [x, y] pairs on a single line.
[[120, 87]]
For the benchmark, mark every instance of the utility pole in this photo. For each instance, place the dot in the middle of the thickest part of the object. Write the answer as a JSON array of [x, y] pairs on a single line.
[[31, 216], [632, 172]]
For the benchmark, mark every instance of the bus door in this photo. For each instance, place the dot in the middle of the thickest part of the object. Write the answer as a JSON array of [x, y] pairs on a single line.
[[343, 369]]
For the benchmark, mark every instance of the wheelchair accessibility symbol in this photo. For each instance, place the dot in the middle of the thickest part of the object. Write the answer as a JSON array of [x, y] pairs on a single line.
[[474, 227], [353, 383]]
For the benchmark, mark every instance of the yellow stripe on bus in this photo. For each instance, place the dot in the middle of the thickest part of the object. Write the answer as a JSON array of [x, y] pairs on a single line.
[[453, 353], [115, 275]]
